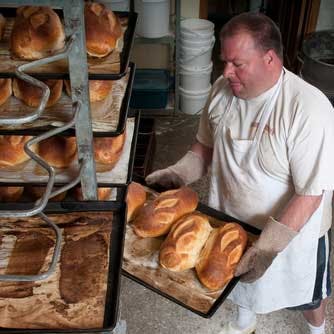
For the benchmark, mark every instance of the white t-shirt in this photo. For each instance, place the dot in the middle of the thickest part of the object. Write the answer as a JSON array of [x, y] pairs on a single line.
[[298, 142]]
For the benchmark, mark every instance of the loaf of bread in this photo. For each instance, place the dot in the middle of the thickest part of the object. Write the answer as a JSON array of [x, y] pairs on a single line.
[[5, 90], [98, 89], [36, 192], [58, 151], [107, 151], [2, 26], [135, 199], [12, 150], [220, 255], [10, 194], [103, 29], [181, 248], [103, 193], [32, 95], [157, 217], [37, 33]]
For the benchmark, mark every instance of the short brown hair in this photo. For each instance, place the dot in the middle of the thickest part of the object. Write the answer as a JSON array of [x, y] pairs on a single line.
[[264, 31]]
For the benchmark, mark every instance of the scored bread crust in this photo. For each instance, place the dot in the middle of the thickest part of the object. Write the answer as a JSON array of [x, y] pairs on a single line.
[[157, 217], [220, 255], [37, 33], [5, 90], [135, 199], [12, 150], [103, 29], [181, 248]]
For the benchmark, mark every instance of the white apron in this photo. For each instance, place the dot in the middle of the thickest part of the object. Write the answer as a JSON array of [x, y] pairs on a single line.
[[240, 188]]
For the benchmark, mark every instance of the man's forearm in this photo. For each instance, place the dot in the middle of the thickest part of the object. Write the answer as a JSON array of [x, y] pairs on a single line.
[[204, 152], [298, 211]]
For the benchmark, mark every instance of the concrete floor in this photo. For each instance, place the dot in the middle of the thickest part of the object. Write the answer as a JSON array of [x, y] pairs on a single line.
[[146, 312]]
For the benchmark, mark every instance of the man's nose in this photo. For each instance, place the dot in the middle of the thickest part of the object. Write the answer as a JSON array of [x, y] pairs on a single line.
[[228, 71]]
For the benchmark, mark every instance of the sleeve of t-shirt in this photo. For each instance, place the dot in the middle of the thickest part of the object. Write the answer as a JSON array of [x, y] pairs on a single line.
[[311, 146]]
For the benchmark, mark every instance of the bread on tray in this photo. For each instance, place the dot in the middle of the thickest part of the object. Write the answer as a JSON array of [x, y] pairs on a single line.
[[103, 29], [37, 33], [181, 248], [31, 95], [5, 90], [220, 255], [135, 199], [10, 194], [157, 217]]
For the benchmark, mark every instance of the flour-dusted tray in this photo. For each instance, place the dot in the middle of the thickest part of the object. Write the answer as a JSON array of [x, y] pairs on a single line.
[[81, 296], [108, 116], [112, 67], [140, 263], [120, 175]]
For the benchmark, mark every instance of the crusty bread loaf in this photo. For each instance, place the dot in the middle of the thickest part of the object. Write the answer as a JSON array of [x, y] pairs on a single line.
[[220, 255], [157, 217], [103, 29], [58, 151], [181, 248], [103, 193], [5, 90], [2, 26], [32, 95], [12, 150], [135, 199], [10, 194], [107, 151], [37, 33], [98, 89], [36, 192]]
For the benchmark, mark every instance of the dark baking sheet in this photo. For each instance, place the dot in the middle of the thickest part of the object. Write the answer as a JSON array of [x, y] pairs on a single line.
[[123, 114], [103, 178], [227, 290], [101, 71], [115, 263]]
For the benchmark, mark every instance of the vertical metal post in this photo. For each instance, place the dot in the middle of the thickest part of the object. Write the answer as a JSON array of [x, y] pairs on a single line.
[[177, 53], [78, 69]]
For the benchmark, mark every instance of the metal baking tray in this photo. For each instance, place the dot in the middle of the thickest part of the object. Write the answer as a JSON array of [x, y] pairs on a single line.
[[210, 310], [108, 68], [62, 112], [119, 176], [111, 305]]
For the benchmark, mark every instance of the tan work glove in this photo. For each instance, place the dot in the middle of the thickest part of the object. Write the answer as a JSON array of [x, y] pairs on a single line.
[[273, 239], [188, 169]]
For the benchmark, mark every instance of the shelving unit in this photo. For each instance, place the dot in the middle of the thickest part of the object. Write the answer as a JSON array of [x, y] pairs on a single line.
[[173, 41], [80, 125]]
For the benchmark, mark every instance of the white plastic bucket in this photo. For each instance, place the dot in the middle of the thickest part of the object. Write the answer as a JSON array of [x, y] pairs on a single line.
[[153, 18], [118, 5], [200, 28], [191, 57], [193, 102], [195, 78], [196, 43]]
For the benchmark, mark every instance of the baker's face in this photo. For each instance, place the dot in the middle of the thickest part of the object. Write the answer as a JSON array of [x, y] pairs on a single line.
[[245, 66]]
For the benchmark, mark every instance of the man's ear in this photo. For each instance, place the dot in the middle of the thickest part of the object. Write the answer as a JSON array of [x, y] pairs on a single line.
[[269, 57]]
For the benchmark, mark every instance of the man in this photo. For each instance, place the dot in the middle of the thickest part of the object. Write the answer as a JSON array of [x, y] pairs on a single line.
[[268, 137]]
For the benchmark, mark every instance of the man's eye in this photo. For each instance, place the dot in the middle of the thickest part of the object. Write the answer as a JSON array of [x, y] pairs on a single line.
[[238, 65]]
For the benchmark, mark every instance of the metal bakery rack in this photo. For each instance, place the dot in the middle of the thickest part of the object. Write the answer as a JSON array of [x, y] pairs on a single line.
[[72, 63]]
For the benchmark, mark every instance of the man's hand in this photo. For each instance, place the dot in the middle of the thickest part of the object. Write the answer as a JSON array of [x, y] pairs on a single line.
[[273, 239], [187, 170]]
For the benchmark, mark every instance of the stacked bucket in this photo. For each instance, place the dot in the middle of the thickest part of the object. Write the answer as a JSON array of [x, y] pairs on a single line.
[[196, 44]]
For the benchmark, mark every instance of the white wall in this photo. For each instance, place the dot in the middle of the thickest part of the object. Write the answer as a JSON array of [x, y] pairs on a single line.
[[326, 15]]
